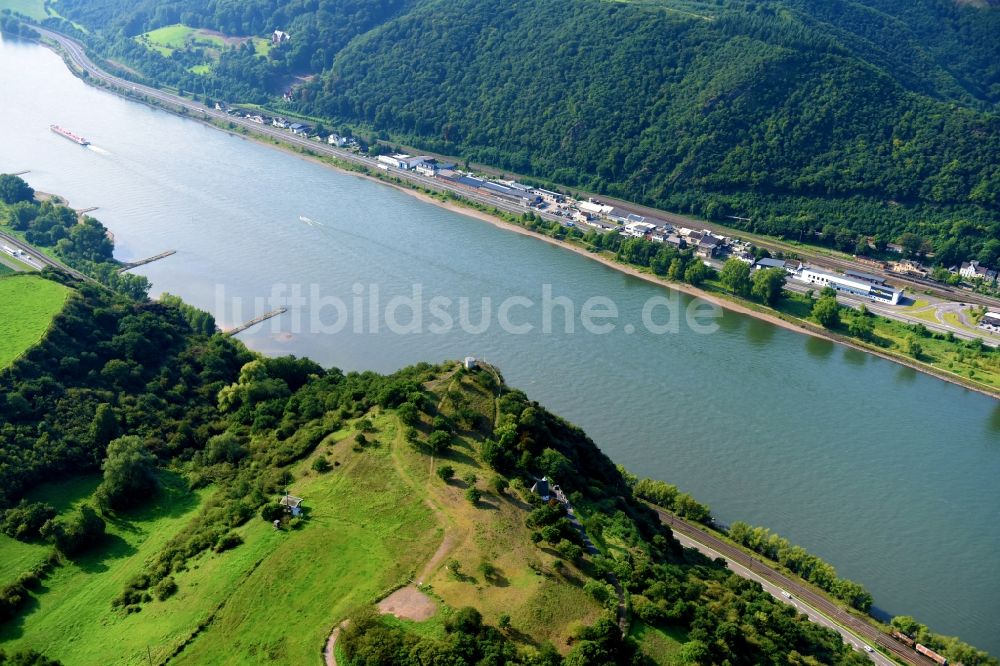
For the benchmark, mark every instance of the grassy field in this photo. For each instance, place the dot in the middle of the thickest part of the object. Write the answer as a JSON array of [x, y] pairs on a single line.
[[72, 618], [545, 603], [31, 8], [661, 646], [367, 531], [379, 518], [27, 305], [171, 38]]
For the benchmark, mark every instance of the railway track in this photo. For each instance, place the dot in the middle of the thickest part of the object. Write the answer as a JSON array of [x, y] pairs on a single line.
[[803, 592]]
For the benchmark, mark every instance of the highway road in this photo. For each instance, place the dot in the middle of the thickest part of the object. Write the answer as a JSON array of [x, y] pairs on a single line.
[[818, 608], [39, 260]]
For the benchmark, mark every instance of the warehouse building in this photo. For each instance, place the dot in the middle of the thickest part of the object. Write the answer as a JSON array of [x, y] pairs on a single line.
[[882, 293]]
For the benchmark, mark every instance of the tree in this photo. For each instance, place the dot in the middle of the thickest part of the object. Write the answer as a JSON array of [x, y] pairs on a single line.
[[912, 244], [439, 441], [104, 426], [473, 495], [446, 473], [861, 327], [735, 276], [13, 189], [827, 312], [408, 413], [696, 273], [768, 284], [129, 474], [913, 347]]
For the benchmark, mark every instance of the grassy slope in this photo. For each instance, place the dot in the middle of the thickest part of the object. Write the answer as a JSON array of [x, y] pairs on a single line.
[[72, 619], [32, 8], [367, 531], [27, 305], [374, 522], [170, 38], [543, 606], [661, 646]]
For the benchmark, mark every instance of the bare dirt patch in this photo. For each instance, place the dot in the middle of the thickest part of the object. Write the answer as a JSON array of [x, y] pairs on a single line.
[[408, 603]]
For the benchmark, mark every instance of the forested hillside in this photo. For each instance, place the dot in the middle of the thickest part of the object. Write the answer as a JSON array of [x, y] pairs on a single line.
[[864, 117]]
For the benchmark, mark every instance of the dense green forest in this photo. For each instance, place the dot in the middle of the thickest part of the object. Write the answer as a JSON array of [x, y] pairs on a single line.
[[813, 119]]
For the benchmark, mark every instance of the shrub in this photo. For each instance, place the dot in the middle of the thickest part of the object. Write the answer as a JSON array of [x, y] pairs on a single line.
[[569, 550], [272, 512], [228, 541], [24, 521], [321, 465], [165, 588], [74, 534], [446, 473], [473, 495], [499, 485]]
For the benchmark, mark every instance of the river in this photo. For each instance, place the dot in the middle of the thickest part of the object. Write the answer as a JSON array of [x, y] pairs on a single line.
[[888, 474]]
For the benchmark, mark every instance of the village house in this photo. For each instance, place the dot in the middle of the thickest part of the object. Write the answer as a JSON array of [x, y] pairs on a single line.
[[790, 267], [292, 504], [637, 229], [708, 246], [972, 270], [279, 37], [541, 488]]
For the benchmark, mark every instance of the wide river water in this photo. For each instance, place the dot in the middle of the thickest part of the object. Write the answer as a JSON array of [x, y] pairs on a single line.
[[888, 474]]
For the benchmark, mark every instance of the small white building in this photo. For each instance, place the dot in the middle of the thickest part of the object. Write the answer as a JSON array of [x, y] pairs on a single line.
[[594, 208], [292, 504], [279, 37], [638, 229], [972, 270], [471, 363]]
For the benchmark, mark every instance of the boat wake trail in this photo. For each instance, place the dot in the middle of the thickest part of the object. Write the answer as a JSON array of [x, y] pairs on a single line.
[[310, 222], [98, 149]]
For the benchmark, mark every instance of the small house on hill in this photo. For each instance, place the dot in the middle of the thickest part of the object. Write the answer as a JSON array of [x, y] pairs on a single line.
[[292, 504], [541, 488]]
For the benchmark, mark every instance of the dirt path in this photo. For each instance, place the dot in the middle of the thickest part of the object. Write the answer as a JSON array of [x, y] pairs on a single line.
[[408, 603], [446, 545], [329, 655]]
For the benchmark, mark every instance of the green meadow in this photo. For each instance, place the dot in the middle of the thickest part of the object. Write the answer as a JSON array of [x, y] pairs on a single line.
[[27, 305]]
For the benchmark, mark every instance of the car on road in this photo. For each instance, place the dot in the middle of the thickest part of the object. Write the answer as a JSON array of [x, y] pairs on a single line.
[[786, 594], [868, 648]]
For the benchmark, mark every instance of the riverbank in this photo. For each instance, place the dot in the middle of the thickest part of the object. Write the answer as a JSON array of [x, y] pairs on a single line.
[[184, 109]]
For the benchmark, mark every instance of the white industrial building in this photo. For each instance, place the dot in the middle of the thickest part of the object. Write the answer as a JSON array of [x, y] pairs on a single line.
[[880, 292]]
